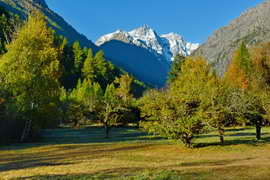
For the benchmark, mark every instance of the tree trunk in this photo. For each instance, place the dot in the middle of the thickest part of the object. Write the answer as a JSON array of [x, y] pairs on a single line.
[[137, 125], [107, 129], [187, 140], [221, 132], [258, 131]]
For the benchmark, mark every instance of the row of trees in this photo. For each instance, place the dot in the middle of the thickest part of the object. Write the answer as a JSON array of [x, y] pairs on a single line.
[[197, 100], [46, 81], [90, 103]]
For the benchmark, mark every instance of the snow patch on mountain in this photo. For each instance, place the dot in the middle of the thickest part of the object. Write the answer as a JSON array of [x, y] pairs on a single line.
[[167, 45]]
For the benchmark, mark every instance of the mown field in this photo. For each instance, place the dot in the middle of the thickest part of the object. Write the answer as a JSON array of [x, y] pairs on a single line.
[[131, 154]]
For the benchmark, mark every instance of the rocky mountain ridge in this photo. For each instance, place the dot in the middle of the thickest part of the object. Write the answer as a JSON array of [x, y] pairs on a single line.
[[61, 27], [253, 26], [166, 45]]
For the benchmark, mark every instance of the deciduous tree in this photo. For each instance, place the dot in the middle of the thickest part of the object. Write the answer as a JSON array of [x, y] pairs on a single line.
[[30, 69]]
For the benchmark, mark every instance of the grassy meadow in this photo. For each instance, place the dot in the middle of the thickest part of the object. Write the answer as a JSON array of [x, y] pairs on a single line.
[[131, 154]]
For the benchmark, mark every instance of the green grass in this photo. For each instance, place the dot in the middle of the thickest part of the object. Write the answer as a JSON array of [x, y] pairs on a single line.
[[133, 155]]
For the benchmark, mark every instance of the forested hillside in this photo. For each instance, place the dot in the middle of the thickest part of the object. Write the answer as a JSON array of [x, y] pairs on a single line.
[[47, 81], [23, 7]]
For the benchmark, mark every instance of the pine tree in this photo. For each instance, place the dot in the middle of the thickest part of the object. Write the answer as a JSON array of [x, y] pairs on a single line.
[[78, 54], [176, 67], [244, 58], [88, 71], [240, 69]]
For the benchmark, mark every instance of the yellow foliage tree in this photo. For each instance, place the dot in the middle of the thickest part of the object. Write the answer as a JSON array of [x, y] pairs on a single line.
[[30, 70], [238, 72]]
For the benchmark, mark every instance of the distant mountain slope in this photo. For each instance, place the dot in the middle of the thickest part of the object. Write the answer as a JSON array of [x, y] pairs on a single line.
[[144, 53], [138, 61], [22, 7], [253, 26]]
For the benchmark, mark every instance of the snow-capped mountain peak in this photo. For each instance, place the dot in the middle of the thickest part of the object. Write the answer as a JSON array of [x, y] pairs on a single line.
[[144, 32], [178, 45], [166, 46]]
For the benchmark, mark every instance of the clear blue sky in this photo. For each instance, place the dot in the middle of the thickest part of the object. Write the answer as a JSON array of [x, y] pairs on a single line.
[[194, 19]]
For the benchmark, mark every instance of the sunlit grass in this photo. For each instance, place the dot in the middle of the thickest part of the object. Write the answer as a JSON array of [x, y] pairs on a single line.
[[132, 154]]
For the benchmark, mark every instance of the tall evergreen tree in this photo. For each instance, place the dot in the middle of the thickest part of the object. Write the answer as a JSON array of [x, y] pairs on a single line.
[[78, 54], [238, 73], [88, 71], [104, 70], [244, 59], [176, 67]]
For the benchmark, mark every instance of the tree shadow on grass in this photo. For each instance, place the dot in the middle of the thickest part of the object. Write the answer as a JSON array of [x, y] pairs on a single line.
[[63, 155], [222, 162], [98, 175], [90, 135], [235, 136], [235, 131], [251, 142], [95, 135], [66, 177], [80, 143], [28, 164], [239, 129], [246, 134]]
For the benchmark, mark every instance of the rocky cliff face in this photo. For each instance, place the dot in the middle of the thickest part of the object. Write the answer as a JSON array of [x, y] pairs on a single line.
[[252, 27], [61, 27]]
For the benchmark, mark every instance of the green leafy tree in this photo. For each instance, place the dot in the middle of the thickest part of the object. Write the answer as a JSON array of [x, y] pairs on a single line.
[[252, 109], [177, 112], [124, 90], [222, 107], [131, 112], [30, 69], [85, 99], [197, 78], [110, 109], [164, 115]]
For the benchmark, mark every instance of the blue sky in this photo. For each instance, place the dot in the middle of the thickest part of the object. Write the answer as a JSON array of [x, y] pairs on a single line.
[[194, 19]]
